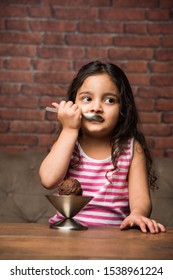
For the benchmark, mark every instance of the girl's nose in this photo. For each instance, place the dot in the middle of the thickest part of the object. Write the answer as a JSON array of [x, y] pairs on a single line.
[[96, 106]]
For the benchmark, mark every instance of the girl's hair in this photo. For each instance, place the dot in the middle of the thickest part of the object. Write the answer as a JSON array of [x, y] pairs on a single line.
[[128, 123]]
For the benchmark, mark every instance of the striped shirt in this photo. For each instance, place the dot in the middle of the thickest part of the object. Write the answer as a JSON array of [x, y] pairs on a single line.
[[110, 203]]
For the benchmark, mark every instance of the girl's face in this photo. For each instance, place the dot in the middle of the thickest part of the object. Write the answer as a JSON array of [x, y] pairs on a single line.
[[98, 94]]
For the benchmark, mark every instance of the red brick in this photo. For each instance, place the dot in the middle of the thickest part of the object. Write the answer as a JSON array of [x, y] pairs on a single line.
[[49, 65], [161, 67], [144, 104], [135, 28], [17, 50], [95, 53], [19, 139], [156, 92], [135, 3], [44, 89], [54, 39], [46, 140], [100, 27], [99, 3], [164, 143], [157, 129], [21, 114], [54, 26], [169, 153], [160, 28], [17, 63], [166, 3], [17, 24], [41, 11], [50, 117], [138, 41], [150, 142], [26, 2], [168, 117], [158, 14], [130, 53], [134, 90], [4, 126], [162, 80], [164, 54], [18, 101], [21, 38], [150, 117], [89, 40], [1, 63], [15, 76], [76, 3], [32, 127], [61, 52], [164, 104], [2, 24], [12, 11], [122, 14], [78, 13], [167, 41], [157, 153], [47, 101], [10, 88], [51, 77], [134, 66], [139, 79], [68, 2]]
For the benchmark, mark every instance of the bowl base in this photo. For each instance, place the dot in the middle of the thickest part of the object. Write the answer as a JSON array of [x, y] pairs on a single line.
[[68, 224]]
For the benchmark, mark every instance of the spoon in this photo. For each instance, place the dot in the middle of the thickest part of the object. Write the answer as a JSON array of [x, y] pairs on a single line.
[[88, 116]]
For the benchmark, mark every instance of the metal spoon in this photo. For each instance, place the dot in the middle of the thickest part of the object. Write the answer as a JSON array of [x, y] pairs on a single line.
[[88, 116]]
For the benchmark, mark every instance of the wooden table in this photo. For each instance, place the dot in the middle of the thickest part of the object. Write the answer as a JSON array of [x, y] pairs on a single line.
[[39, 242]]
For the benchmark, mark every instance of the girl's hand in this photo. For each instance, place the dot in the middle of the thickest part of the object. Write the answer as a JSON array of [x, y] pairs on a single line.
[[143, 222], [68, 114]]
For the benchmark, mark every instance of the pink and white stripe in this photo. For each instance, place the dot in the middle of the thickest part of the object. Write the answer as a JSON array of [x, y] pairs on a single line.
[[110, 203]]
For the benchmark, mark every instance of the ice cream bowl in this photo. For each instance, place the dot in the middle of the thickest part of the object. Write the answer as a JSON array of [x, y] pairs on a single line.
[[69, 206]]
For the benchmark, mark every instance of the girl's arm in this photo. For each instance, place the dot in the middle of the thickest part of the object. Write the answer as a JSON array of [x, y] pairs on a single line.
[[54, 167], [139, 195]]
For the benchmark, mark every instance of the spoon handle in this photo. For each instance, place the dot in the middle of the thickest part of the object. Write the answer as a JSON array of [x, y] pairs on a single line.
[[50, 109], [88, 116]]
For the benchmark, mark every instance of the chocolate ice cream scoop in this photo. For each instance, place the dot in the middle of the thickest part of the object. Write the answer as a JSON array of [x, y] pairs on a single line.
[[70, 186]]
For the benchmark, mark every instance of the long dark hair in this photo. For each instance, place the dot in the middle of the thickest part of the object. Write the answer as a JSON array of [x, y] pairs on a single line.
[[128, 124]]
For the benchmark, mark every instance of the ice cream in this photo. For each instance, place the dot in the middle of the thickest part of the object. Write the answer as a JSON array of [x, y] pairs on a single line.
[[70, 186]]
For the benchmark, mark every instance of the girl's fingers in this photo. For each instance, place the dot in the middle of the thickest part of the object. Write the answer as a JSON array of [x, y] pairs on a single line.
[[56, 105], [69, 104], [155, 227], [152, 226], [62, 104], [65, 105], [145, 224], [161, 227]]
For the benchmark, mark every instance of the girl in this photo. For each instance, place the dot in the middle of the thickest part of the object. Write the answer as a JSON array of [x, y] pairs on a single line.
[[109, 156]]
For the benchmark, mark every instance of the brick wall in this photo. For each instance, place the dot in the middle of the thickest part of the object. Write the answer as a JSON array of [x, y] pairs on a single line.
[[44, 42]]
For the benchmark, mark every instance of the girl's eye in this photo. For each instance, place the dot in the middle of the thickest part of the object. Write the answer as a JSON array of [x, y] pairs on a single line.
[[86, 99], [110, 100]]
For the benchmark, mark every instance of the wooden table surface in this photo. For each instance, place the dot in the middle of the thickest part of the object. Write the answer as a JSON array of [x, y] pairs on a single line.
[[39, 242]]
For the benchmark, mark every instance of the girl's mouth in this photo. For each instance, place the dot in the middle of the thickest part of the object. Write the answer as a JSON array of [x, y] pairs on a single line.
[[93, 117]]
